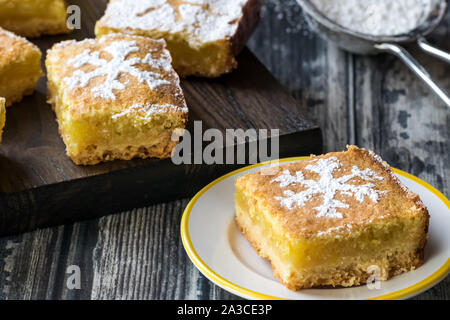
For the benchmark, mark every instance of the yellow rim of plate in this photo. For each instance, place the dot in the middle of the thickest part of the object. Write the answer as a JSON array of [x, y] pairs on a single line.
[[426, 283]]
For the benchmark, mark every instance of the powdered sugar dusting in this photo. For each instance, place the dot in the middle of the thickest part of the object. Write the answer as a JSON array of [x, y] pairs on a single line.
[[327, 186], [119, 50], [377, 158], [66, 43], [384, 164], [12, 35], [335, 229], [377, 17], [349, 227], [147, 111], [202, 20]]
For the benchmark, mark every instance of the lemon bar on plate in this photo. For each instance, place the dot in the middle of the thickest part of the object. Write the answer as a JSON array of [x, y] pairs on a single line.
[[20, 67], [203, 36], [332, 220], [117, 97], [32, 18], [2, 116]]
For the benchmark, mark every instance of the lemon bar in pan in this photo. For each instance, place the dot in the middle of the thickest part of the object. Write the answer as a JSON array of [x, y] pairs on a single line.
[[203, 36], [20, 67], [32, 18], [117, 97], [332, 220]]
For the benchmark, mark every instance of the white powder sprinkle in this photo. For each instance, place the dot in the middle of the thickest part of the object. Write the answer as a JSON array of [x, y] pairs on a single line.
[[384, 164], [377, 17], [66, 43], [200, 20], [289, 14], [335, 229], [147, 111], [327, 186], [118, 64], [378, 159], [12, 35]]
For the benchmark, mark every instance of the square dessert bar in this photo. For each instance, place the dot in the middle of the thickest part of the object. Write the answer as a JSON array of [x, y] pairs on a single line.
[[2, 116], [203, 36], [32, 18], [333, 219], [20, 67], [117, 97]]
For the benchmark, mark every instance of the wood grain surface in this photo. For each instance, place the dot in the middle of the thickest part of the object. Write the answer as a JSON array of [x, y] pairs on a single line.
[[374, 102]]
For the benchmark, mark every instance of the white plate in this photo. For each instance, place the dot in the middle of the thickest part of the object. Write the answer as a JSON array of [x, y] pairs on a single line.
[[218, 249]]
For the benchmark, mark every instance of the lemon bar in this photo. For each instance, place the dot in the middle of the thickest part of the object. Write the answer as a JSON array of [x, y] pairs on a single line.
[[32, 18], [117, 97], [203, 36], [2, 116], [20, 67], [333, 220]]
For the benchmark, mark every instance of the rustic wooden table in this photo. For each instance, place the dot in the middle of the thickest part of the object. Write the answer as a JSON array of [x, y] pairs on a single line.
[[374, 102]]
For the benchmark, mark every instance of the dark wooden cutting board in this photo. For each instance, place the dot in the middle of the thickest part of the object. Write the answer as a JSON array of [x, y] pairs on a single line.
[[40, 186]]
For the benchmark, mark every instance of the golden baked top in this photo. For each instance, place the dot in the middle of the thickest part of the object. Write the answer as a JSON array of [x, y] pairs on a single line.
[[14, 48], [332, 192], [117, 73], [198, 21]]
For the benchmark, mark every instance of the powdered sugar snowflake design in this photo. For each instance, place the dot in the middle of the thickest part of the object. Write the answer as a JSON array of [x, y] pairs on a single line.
[[327, 186], [114, 67]]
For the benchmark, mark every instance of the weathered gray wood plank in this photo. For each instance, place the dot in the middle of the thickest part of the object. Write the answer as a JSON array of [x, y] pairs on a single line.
[[372, 101], [315, 72], [139, 255]]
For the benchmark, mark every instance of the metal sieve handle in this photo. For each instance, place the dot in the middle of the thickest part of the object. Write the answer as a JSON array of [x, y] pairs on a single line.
[[415, 67], [439, 53]]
